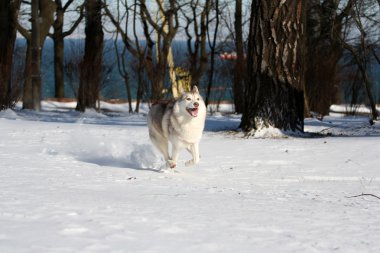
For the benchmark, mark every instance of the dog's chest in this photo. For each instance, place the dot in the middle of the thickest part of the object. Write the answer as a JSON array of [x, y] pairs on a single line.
[[190, 132]]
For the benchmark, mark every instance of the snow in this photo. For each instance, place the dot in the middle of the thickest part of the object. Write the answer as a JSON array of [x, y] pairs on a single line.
[[89, 182]]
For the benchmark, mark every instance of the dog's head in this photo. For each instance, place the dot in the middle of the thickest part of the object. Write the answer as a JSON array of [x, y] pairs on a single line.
[[191, 103]]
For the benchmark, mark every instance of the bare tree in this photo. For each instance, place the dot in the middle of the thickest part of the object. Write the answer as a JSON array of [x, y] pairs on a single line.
[[8, 22], [212, 41], [239, 63], [121, 57], [42, 19], [361, 51], [165, 30], [58, 37], [274, 85], [91, 66], [72, 62], [325, 27], [196, 31], [36, 56]]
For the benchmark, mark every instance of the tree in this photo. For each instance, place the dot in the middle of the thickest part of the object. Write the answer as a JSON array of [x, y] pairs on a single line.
[[275, 74], [325, 28], [196, 27], [36, 56], [164, 30], [212, 42], [238, 87], [91, 66], [360, 52], [58, 37], [42, 19], [8, 24]]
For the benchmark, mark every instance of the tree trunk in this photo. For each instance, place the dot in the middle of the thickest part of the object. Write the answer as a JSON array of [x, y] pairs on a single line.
[[360, 57], [324, 50], [157, 85], [212, 51], [27, 97], [58, 39], [274, 81], [140, 88], [238, 88], [8, 19], [129, 93], [91, 66], [36, 56], [196, 47], [42, 19]]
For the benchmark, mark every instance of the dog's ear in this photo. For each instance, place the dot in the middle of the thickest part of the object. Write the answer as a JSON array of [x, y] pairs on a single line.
[[195, 89]]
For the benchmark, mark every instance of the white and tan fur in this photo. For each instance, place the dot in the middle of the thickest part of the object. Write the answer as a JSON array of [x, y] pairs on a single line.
[[180, 122]]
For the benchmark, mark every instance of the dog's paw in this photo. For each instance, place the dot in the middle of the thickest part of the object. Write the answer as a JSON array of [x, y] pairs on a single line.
[[189, 163], [171, 164]]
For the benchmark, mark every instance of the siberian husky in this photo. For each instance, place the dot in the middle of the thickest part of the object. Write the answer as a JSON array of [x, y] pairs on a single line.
[[179, 122]]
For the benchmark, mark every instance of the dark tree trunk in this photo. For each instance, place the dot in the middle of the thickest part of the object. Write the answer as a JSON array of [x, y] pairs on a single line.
[[58, 39], [129, 93], [36, 56], [274, 81], [8, 19], [156, 70], [42, 19], [140, 87], [212, 51], [324, 50], [91, 66], [238, 88], [27, 98]]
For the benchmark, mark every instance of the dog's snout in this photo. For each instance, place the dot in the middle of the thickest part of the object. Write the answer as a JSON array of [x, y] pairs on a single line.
[[196, 104]]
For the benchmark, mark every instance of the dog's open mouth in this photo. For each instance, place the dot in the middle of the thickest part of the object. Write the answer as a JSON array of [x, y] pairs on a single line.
[[192, 111]]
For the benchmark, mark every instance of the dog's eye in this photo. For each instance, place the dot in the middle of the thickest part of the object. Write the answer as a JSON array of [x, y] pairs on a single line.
[[188, 99], [197, 99]]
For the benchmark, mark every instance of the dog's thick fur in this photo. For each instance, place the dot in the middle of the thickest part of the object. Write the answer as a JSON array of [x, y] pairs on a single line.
[[179, 122]]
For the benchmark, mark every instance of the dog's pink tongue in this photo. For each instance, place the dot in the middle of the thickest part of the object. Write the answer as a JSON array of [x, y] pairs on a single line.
[[194, 112]]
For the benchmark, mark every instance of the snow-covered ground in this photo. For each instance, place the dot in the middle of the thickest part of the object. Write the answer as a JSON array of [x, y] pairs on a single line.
[[73, 182]]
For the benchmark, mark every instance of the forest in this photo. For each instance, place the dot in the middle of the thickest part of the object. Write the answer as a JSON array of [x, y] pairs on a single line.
[[288, 155], [287, 59]]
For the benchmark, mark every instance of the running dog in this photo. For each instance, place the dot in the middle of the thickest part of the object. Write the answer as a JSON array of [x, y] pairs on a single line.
[[180, 122]]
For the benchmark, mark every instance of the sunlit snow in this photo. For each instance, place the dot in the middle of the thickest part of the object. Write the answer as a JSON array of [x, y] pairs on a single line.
[[91, 182]]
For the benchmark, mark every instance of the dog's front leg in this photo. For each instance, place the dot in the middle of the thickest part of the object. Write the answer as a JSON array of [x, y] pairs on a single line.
[[175, 153], [194, 151]]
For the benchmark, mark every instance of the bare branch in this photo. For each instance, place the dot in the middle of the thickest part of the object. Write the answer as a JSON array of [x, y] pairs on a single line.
[[76, 23], [363, 195], [23, 31], [67, 5]]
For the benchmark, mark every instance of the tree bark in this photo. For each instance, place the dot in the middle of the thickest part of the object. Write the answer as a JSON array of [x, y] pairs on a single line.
[[8, 23], [27, 98], [59, 51], [59, 46], [42, 19], [91, 66], [324, 50], [212, 45], [238, 88], [274, 81], [36, 56]]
